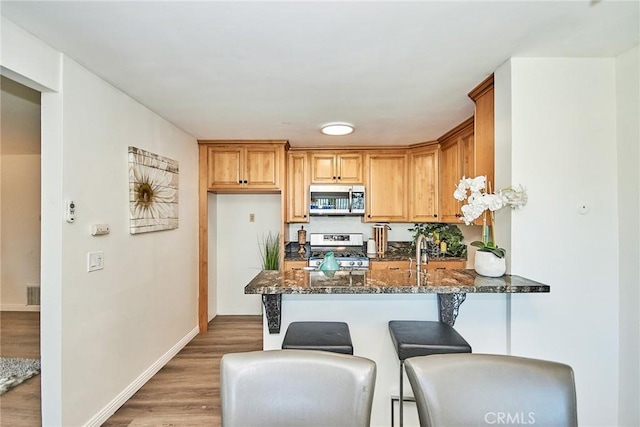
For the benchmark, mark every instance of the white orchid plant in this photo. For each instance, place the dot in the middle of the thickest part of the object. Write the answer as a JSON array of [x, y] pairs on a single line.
[[479, 201]]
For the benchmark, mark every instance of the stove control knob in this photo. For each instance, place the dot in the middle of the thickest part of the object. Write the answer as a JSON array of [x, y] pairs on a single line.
[[359, 262], [351, 262]]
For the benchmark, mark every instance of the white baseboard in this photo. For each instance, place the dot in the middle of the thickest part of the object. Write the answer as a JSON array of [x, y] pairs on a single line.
[[136, 385], [19, 307]]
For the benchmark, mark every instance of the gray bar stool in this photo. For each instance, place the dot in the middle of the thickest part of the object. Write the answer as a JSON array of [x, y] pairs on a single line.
[[324, 336], [413, 338]]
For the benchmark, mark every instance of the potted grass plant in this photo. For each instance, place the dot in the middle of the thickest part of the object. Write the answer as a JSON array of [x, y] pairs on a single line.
[[270, 252]]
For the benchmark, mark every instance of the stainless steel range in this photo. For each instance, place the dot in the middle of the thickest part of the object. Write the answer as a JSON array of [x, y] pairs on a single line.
[[347, 248]]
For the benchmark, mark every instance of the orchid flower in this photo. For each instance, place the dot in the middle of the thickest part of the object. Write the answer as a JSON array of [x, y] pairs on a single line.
[[478, 201]]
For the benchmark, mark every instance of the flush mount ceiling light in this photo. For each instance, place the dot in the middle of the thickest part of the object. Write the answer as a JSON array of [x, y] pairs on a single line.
[[337, 129]]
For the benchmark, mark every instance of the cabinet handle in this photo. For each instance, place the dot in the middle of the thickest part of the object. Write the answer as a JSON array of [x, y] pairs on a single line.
[[339, 177], [435, 215], [245, 181], [304, 216], [334, 177], [368, 216], [240, 182]]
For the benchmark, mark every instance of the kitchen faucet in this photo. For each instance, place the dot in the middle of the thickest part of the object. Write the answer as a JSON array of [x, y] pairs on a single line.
[[421, 241]]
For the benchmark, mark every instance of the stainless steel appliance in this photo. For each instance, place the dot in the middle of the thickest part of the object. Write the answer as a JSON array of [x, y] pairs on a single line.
[[346, 247], [336, 199]]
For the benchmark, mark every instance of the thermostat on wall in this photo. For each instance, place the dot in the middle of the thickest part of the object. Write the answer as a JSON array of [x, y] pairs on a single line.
[[70, 212]]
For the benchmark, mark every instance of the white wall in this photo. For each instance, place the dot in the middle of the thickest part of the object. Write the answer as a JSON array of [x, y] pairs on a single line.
[[238, 249], [104, 333], [564, 150], [628, 130], [27, 59], [19, 194], [119, 321]]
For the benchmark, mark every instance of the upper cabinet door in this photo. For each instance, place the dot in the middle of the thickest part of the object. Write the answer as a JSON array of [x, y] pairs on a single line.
[[334, 168], [484, 129], [457, 159], [297, 187], [262, 167], [349, 168], [225, 167], [323, 168], [423, 177], [387, 186], [450, 175]]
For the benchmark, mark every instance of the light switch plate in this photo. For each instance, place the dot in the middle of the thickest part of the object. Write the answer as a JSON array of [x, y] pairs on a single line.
[[95, 261]]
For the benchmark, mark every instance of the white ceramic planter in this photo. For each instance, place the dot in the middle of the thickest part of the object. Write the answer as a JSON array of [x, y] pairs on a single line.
[[487, 264]]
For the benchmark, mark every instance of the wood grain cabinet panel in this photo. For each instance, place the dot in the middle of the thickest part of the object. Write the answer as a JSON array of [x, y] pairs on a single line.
[[387, 186], [423, 177], [297, 187], [484, 129], [225, 167], [261, 167], [456, 161], [404, 265], [245, 167], [389, 265], [333, 168], [294, 265]]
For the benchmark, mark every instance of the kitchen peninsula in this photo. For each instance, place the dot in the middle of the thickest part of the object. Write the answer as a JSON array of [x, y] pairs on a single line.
[[451, 286], [368, 299]]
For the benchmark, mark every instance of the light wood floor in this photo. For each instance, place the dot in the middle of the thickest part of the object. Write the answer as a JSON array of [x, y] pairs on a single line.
[[185, 392], [20, 337]]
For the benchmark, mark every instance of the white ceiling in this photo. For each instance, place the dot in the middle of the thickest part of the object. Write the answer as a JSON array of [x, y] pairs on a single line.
[[399, 71]]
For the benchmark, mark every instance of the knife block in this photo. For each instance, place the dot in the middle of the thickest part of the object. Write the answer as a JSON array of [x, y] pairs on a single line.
[[380, 237]]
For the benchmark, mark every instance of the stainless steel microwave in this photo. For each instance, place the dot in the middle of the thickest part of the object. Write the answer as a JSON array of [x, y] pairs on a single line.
[[336, 199]]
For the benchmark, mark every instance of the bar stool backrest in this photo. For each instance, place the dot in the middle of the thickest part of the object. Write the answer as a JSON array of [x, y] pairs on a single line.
[[298, 388], [484, 389]]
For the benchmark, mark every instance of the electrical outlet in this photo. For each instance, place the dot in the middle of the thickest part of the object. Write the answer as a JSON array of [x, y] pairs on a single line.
[[252, 217]]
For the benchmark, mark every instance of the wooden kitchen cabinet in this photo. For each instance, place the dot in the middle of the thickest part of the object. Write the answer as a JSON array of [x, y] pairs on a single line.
[[484, 133], [433, 264], [456, 160], [245, 167], [332, 168], [423, 189], [388, 265], [387, 186], [294, 265], [437, 264], [297, 187]]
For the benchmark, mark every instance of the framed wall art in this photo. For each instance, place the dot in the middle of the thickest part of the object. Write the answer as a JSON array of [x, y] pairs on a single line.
[[153, 192]]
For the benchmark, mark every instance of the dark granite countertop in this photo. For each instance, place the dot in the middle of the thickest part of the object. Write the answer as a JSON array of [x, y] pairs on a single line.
[[387, 282]]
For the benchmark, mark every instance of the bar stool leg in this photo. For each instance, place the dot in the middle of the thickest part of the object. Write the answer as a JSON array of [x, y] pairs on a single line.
[[401, 413]]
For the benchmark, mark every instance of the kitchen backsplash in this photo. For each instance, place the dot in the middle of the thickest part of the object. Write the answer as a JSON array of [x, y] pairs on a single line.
[[343, 224]]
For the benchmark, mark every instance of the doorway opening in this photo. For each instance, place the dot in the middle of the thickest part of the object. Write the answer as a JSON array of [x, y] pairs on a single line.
[[20, 250]]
